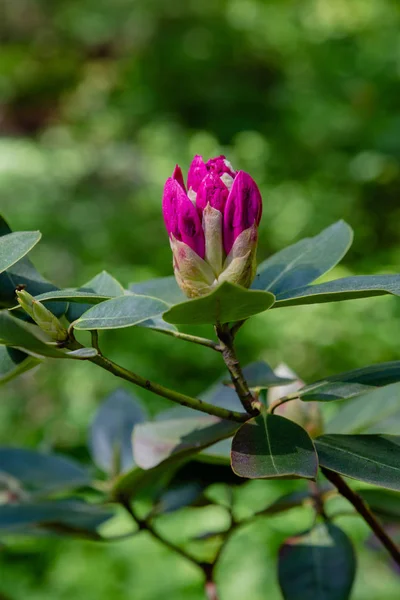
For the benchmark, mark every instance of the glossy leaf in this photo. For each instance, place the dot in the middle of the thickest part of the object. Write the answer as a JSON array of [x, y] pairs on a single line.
[[155, 442], [318, 565], [326, 391], [227, 303], [103, 286], [42, 472], [24, 273], [117, 313], [163, 288], [14, 363], [374, 459], [348, 288], [305, 261], [366, 411], [375, 375], [272, 447], [71, 517], [158, 324], [110, 438], [14, 246]]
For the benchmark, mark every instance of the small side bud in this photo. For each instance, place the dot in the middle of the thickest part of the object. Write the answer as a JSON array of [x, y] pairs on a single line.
[[42, 316]]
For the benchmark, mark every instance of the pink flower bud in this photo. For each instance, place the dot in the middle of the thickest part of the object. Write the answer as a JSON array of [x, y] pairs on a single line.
[[197, 172], [181, 217], [212, 191], [243, 208], [213, 226]]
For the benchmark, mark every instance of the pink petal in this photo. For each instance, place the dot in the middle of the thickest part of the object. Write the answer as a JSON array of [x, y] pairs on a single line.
[[243, 208], [177, 175], [197, 171], [212, 190], [220, 165]]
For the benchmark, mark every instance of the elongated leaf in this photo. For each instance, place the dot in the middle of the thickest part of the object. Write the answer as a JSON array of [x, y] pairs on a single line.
[[227, 303], [367, 410], [29, 338], [61, 516], [371, 458], [24, 273], [158, 324], [260, 376], [318, 565], [110, 438], [14, 246], [375, 375], [272, 447], [14, 363], [155, 442], [125, 311], [42, 472], [103, 286], [305, 261], [163, 288], [348, 288], [326, 391]]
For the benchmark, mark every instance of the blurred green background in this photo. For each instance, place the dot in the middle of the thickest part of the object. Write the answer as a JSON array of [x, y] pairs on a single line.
[[98, 101]]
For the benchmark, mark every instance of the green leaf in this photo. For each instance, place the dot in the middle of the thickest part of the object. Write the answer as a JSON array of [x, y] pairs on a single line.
[[155, 442], [163, 288], [374, 375], [227, 303], [272, 447], [14, 246], [14, 363], [42, 472], [110, 438], [104, 286], [367, 410], [71, 517], [125, 311], [348, 288], [305, 261], [371, 458], [318, 565], [384, 503], [326, 391], [30, 339], [260, 376], [158, 324], [24, 273]]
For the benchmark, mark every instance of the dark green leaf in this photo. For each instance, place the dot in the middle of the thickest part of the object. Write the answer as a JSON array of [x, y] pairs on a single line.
[[24, 273], [270, 447], [227, 303], [14, 246], [304, 262], [371, 458], [326, 391], [110, 439], [378, 375], [260, 376], [155, 442], [318, 565], [103, 286], [348, 288], [60, 517], [158, 324], [177, 497], [368, 410], [42, 472], [163, 288], [125, 311], [14, 363]]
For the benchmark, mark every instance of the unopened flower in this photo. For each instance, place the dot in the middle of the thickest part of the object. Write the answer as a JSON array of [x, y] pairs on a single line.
[[306, 414], [212, 225], [42, 316]]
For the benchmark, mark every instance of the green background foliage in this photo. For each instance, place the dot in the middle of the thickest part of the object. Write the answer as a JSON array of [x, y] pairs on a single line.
[[98, 100]]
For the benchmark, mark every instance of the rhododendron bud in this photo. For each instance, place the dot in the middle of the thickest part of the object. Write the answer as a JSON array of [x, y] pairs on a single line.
[[42, 316], [306, 414], [213, 227]]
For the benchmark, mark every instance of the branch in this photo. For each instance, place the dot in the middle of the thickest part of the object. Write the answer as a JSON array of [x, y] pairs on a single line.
[[192, 338], [249, 403], [363, 509]]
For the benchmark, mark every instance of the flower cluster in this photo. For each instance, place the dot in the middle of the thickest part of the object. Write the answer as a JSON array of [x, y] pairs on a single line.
[[212, 225]]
